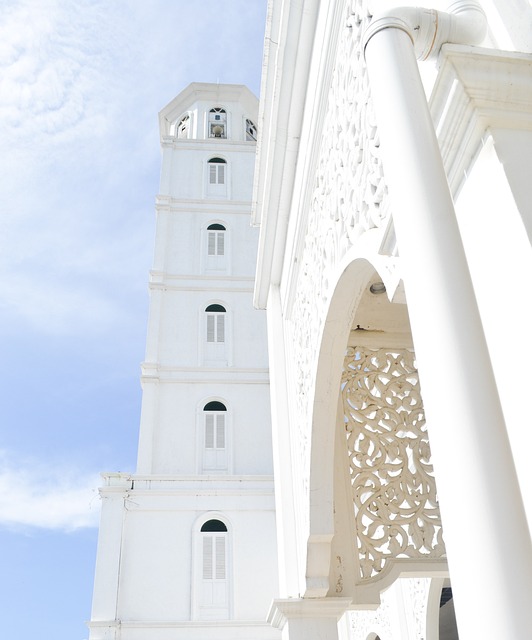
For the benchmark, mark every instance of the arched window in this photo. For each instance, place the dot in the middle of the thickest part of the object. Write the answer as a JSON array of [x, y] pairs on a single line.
[[213, 571], [216, 248], [217, 123], [216, 240], [251, 130], [215, 323], [215, 437], [217, 177], [183, 128], [217, 171], [216, 334]]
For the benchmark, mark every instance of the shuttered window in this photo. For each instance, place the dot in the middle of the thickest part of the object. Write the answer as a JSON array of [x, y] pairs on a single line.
[[217, 171], [215, 454], [214, 431], [214, 557], [216, 240], [214, 598], [215, 323], [216, 248], [215, 327]]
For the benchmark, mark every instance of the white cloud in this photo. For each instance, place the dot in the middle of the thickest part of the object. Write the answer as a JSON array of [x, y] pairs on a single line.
[[53, 56], [32, 495]]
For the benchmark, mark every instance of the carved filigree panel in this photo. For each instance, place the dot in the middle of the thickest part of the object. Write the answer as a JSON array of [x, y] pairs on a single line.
[[394, 492]]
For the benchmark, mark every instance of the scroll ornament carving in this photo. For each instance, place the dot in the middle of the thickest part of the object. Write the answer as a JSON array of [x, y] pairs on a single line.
[[393, 487]]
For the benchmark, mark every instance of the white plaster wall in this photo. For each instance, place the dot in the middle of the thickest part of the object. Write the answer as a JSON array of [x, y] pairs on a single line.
[[183, 314], [176, 449], [158, 568], [185, 175]]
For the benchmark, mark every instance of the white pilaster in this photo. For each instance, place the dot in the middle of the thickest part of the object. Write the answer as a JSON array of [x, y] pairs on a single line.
[[308, 619], [104, 604]]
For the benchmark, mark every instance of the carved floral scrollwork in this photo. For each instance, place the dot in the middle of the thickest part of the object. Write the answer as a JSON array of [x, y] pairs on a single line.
[[394, 491]]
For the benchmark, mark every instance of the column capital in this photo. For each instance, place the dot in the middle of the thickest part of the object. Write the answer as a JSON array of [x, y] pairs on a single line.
[[282, 610]]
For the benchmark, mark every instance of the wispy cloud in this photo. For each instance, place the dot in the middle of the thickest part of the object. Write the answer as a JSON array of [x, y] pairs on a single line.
[[33, 495], [53, 54]]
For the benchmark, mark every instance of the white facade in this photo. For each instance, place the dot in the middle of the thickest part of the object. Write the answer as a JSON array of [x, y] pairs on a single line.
[[187, 545], [394, 262]]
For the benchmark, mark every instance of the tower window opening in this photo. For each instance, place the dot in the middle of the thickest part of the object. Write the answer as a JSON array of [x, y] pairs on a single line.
[[183, 128], [251, 131], [216, 240], [215, 443], [214, 571], [215, 323], [214, 525], [217, 171], [217, 123]]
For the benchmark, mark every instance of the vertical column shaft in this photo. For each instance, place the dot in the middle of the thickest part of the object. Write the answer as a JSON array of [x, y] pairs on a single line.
[[485, 528], [105, 598], [309, 618]]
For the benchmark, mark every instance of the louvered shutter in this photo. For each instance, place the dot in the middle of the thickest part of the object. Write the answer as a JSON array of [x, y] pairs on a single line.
[[220, 328], [221, 243], [209, 431], [212, 243], [207, 558], [221, 174], [210, 328], [220, 432], [220, 558]]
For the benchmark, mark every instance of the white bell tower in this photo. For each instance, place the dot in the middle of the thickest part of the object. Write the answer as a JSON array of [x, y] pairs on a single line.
[[187, 544]]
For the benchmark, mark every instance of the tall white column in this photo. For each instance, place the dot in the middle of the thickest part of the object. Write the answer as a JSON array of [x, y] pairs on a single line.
[[485, 528]]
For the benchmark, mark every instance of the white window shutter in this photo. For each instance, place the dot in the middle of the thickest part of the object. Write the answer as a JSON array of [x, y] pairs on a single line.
[[221, 243], [221, 174], [220, 558], [207, 558], [212, 243], [210, 328], [220, 328], [220, 432], [212, 174], [209, 431]]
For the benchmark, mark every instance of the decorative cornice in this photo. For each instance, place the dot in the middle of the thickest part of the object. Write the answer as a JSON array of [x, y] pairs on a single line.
[[283, 610], [478, 89]]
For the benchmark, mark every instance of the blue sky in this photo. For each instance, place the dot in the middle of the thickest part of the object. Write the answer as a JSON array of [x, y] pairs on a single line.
[[81, 83]]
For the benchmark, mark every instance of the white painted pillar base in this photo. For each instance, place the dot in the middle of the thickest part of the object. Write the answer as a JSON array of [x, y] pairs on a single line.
[[309, 618], [485, 528]]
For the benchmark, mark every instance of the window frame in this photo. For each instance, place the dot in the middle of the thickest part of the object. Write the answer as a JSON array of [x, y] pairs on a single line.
[[212, 121], [217, 167], [215, 353], [223, 464], [216, 264], [250, 130], [199, 609]]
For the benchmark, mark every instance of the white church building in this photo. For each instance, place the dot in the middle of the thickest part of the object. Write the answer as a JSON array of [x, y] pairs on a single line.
[[363, 346]]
